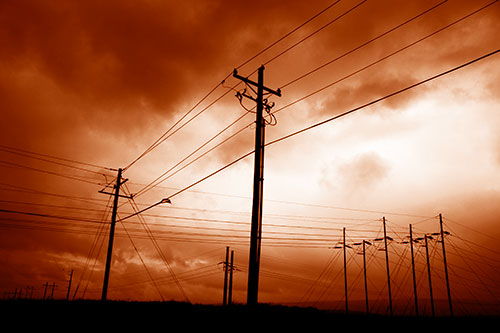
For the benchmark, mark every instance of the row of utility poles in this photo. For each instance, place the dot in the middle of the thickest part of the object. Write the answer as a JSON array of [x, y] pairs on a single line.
[[228, 265], [48, 291], [411, 241]]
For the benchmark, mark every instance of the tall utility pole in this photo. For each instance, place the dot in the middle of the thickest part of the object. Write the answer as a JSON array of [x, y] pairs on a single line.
[[413, 270], [345, 273], [445, 265], [387, 265], [429, 274], [258, 184], [226, 267], [116, 194]]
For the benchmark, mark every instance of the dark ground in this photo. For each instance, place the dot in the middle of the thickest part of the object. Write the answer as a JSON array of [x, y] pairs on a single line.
[[175, 317]]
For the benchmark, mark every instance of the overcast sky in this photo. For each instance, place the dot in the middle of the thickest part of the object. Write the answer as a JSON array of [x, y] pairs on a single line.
[[99, 82]]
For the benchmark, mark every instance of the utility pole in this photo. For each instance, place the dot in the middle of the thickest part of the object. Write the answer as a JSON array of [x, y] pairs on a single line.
[[429, 274], [413, 271], [230, 292], [45, 289], [258, 184], [52, 293], [387, 265], [116, 194], [69, 285], [364, 273], [345, 273], [445, 265], [226, 267]]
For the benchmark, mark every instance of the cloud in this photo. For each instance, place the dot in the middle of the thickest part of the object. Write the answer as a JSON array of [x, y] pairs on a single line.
[[358, 175], [370, 88]]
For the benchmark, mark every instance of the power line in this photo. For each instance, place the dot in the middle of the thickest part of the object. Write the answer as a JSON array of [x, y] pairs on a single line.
[[23, 189], [48, 172], [58, 158], [362, 45], [49, 161], [50, 216], [383, 58]]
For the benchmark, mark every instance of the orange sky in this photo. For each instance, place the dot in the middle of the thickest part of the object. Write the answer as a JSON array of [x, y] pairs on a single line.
[[99, 82]]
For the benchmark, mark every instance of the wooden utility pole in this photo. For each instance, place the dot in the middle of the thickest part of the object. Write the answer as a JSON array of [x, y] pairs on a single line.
[[345, 273], [69, 285], [45, 286], [364, 274], [226, 267], [116, 194], [429, 274], [445, 264], [230, 291], [52, 292], [387, 266], [413, 271], [258, 184]]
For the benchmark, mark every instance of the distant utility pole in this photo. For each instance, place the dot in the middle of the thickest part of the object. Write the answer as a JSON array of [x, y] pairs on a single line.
[[429, 274], [116, 194], [445, 264], [45, 289], [227, 295], [364, 273], [345, 272], [69, 285], [230, 291], [52, 293], [413, 271], [387, 266], [226, 267], [258, 184]]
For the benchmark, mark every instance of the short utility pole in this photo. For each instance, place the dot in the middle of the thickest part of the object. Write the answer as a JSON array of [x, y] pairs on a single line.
[[413, 272], [231, 269], [364, 274], [227, 295], [442, 232], [69, 285], [226, 268], [426, 237], [345, 273], [387, 267], [116, 194], [258, 183]]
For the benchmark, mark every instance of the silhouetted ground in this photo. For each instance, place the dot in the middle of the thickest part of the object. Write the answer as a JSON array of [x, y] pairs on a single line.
[[176, 316]]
